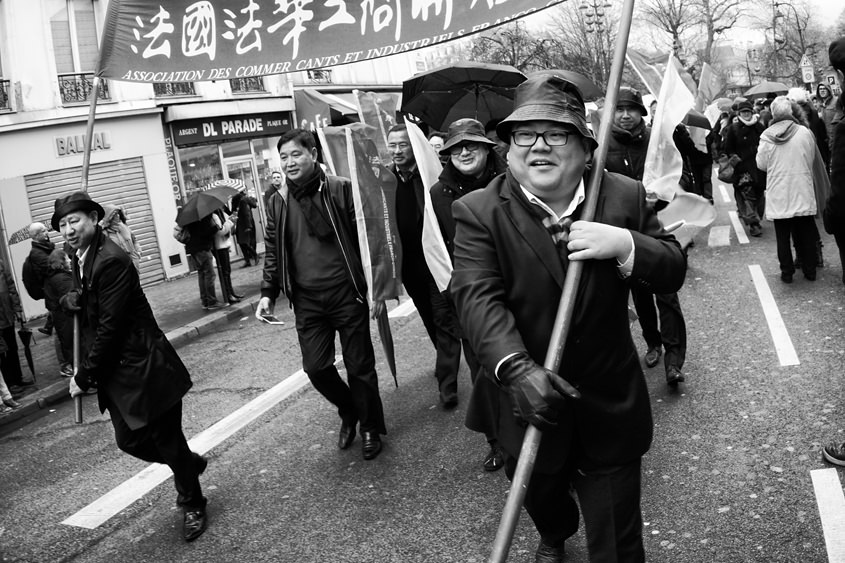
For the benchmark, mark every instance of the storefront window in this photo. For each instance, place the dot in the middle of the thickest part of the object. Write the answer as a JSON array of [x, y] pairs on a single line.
[[233, 149], [266, 159], [200, 167]]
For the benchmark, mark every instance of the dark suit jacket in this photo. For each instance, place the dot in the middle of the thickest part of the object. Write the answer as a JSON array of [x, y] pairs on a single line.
[[507, 282], [124, 352]]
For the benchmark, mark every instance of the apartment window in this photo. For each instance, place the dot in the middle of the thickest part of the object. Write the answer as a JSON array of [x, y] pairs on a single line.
[[320, 76], [247, 84], [74, 31], [169, 89]]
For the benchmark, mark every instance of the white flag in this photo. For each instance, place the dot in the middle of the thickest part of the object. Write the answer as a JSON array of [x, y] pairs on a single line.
[[663, 163], [436, 255]]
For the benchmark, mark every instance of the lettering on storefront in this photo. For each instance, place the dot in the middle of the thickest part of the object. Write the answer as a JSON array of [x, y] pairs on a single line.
[[75, 144], [229, 128]]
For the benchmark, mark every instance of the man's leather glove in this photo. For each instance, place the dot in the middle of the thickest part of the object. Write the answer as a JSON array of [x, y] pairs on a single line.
[[537, 395], [70, 300]]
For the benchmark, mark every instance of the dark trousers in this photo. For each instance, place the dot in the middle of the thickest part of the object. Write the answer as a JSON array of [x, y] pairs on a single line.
[[672, 330], [248, 250], [703, 174], [447, 342], [162, 441], [10, 363], [63, 324], [419, 290], [319, 315], [224, 272], [750, 203], [802, 229], [608, 498], [204, 265], [839, 236]]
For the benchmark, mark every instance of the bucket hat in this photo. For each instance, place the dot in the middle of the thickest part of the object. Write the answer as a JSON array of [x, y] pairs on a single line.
[[76, 201], [632, 97], [465, 130], [545, 96]]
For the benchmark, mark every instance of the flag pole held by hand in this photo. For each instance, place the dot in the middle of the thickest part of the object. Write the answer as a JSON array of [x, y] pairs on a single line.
[[531, 441]]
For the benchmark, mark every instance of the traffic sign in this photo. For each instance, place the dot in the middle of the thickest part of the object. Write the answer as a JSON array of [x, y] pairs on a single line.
[[807, 74], [805, 61]]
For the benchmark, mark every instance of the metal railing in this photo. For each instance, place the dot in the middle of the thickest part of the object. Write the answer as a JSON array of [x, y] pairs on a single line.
[[320, 76], [166, 89], [247, 84], [76, 87], [5, 102]]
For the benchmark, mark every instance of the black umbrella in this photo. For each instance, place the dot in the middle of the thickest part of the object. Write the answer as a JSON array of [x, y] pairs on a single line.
[[695, 118], [387, 343], [766, 87], [25, 335], [445, 94], [204, 203]]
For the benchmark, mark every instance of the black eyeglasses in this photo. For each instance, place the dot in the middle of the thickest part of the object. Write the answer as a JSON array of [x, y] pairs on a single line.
[[470, 147], [526, 138]]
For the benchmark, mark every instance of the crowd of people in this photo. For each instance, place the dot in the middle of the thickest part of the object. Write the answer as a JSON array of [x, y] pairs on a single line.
[[509, 203]]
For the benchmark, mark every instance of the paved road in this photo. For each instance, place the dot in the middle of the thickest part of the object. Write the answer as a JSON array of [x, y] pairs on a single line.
[[728, 478]]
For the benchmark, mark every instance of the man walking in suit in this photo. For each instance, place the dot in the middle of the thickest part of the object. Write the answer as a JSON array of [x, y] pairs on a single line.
[[513, 243], [139, 377]]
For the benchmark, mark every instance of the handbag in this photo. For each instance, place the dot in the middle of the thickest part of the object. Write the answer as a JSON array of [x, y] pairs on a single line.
[[726, 170]]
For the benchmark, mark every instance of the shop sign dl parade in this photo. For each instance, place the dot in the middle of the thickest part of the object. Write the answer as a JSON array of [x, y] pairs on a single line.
[[188, 41]]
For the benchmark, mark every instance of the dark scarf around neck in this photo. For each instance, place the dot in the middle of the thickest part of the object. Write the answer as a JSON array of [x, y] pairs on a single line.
[[315, 215]]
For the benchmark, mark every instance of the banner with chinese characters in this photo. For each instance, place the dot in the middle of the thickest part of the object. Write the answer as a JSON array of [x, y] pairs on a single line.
[[190, 40]]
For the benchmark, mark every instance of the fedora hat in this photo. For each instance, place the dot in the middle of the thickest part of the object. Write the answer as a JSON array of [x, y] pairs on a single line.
[[76, 201], [465, 130], [546, 96]]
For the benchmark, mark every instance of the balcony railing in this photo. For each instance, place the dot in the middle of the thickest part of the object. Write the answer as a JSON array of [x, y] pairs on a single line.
[[247, 84], [76, 87], [166, 89], [320, 76], [5, 103]]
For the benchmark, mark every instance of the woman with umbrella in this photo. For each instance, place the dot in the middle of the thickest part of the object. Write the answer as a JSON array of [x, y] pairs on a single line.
[[57, 283], [472, 163]]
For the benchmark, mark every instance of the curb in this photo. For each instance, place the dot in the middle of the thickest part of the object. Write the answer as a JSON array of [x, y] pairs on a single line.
[[57, 392]]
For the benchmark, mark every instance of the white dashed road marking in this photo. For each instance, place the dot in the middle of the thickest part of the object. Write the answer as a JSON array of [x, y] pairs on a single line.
[[780, 336], [719, 236], [740, 232], [831, 502], [403, 310], [723, 189]]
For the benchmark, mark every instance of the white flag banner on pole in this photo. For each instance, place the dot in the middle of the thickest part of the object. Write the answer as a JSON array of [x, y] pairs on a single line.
[[663, 163], [436, 255]]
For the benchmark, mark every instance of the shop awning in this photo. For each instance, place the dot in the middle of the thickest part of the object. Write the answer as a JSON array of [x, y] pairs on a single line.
[[228, 107]]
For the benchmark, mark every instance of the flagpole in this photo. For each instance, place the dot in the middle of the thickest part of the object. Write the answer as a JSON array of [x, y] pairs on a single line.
[[83, 186], [531, 441]]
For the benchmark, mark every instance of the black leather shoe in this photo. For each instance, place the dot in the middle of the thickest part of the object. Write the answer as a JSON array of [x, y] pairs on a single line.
[[674, 376], [194, 524], [652, 356], [548, 554], [449, 401], [200, 462], [237, 295], [494, 460], [346, 435], [370, 444]]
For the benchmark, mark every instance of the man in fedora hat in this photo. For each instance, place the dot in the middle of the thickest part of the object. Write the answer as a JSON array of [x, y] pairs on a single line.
[[139, 377], [513, 243]]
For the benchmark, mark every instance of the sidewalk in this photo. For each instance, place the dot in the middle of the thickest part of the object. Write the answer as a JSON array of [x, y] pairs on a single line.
[[177, 308]]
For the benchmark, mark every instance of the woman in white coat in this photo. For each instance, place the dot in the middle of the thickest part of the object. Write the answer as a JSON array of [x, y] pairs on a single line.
[[786, 154]]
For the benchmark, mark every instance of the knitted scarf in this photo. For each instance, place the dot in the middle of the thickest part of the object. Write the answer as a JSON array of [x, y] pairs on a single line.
[[315, 215]]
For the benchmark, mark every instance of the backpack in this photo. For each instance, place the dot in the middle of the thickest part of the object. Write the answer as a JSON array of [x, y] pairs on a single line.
[[181, 234], [32, 281]]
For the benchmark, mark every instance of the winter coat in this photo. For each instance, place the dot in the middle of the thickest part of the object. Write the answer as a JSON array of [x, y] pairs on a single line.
[[38, 263], [114, 225], [202, 235], [124, 352], [245, 229], [627, 151], [827, 114], [786, 154], [57, 284], [834, 213], [223, 237], [742, 140], [10, 301]]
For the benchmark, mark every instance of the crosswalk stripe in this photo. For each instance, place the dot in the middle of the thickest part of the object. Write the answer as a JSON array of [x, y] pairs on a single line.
[[724, 191], [780, 336], [155, 474], [719, 236], [740, 232], [831, 503]]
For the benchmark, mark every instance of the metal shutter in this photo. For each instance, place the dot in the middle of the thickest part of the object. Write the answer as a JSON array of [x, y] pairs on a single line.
[[119, 182]]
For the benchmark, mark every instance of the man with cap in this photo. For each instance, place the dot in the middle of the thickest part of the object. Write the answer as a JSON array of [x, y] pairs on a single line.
[[416, 276], [742, 138], [139, 377], [660, 315], [513, 243], [472, 163]]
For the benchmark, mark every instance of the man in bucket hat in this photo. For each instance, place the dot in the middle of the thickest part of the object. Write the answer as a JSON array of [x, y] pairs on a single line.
[[513, 243], [139, 377]]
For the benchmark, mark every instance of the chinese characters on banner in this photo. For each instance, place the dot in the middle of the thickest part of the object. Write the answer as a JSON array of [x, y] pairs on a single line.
[[190, 40]]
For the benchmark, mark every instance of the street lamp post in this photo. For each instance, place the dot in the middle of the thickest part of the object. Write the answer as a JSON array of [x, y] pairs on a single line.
[[593, 12], [775, 15]]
